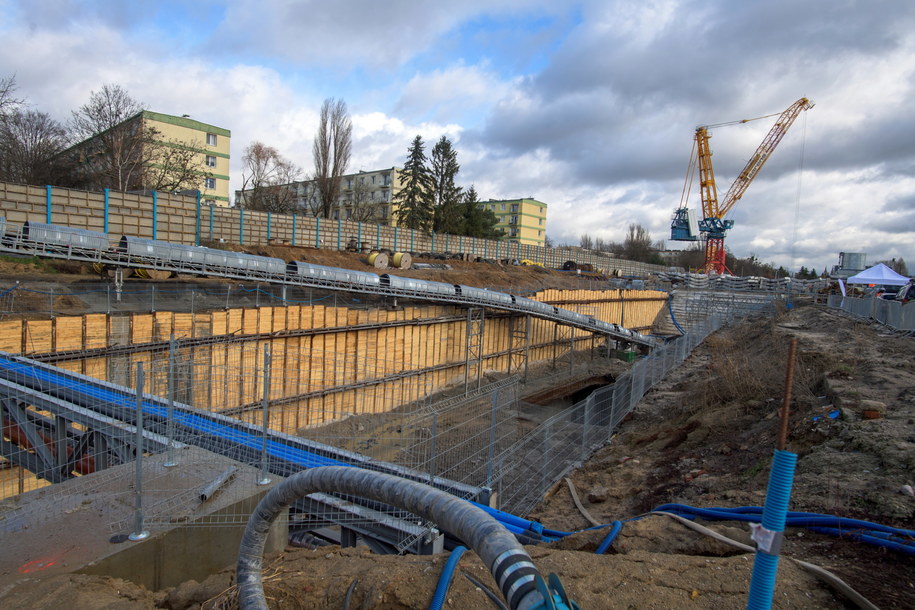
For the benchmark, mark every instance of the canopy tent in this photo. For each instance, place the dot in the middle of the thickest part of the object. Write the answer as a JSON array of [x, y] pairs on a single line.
[[879, 274]]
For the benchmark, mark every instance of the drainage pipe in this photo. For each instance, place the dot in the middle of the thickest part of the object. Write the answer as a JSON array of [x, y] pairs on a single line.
[[510, 565]]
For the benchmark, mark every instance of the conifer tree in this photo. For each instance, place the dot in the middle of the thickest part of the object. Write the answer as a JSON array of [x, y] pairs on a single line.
[[479, 222], [415, 200], [448, 217]]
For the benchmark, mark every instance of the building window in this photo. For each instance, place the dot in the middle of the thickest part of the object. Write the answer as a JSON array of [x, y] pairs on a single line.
[[514, 208], [386, 180], [211, 139], [503, 207], [373, 179], [211, 183], [513, 220], [211, 161], [513, 232], [540, 221], [539, 233]]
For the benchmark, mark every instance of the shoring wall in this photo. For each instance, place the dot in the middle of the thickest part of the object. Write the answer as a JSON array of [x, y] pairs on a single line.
[[319, 349], [324, 367], [182, 219]]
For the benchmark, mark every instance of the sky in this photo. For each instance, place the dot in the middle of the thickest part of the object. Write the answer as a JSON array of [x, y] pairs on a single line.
[[588, 106]]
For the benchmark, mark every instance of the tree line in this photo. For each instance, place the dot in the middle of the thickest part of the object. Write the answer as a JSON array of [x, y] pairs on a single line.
[[122, 155], [431, 200]]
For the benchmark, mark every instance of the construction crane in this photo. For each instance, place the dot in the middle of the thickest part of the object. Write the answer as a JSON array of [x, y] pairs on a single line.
[[713, 226]]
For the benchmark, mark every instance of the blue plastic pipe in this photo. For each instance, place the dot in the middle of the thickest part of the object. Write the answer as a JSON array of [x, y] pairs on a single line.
[[778, 495], [609, 538], [444, 581]]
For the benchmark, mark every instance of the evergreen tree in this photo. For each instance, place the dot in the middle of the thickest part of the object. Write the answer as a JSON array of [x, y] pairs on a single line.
[[448, 217], [479, 222], [414, 201]]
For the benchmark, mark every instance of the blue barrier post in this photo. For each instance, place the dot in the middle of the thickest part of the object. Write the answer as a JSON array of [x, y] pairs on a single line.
[[155, 212], [212, 213], [47, 214], [268, 226], [241, 226], [106, 211], [339, 231], [294, 218], [197, 224], [317, 232], [395, 239]]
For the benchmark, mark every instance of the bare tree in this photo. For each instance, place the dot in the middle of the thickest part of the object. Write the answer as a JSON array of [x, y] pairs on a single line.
[[8, 103], [172, 165], [332, 148], [267, 180], [364, 208], [113, 155], [29, 141], [586, 242]]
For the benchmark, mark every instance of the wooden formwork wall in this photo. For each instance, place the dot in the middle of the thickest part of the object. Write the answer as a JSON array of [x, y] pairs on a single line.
[[308, 369]]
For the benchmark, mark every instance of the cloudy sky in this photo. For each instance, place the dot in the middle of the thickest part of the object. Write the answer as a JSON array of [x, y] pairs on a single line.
[[589, 106]]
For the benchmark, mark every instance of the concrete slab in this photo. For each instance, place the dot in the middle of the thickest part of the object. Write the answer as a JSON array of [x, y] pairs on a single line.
[[81, 525]]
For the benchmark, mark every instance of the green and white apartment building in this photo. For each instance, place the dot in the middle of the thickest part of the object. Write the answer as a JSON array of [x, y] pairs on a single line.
[[210, 145], [523, 220]]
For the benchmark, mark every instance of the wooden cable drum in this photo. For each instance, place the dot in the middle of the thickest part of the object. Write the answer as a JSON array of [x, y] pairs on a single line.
[[378, 260], [402, 260], [153, 274]]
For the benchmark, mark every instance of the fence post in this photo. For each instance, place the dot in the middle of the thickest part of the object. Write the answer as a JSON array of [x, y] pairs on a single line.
[[47, 194], [264, 477], [138, 532], [155, 198], [492, 438], [170, 424]]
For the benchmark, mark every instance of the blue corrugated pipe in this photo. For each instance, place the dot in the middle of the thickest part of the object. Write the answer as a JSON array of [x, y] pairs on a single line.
[[609, 538], [778, 495], [444, 581], [897, 539]]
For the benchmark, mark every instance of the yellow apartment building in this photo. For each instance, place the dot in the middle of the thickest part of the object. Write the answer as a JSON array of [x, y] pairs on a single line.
[[210, 142], [208, 164], [522, 220]]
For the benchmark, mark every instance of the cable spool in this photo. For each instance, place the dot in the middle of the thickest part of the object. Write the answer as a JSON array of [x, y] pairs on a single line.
[[402, 260], [379, 260]]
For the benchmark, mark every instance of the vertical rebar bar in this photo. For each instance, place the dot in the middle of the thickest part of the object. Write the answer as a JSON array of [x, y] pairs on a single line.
[[170, 423], [138, 532], [786, 401], [264, 477]]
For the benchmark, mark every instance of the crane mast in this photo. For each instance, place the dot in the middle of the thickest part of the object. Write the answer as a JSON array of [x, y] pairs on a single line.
[[713, 225]]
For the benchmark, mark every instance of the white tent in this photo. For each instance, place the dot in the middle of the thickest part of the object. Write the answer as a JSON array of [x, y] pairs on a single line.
[[879, 274]]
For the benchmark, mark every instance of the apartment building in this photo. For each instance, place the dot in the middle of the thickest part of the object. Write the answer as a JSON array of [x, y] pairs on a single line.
[[522, 220], [366, 196], [209, 144]]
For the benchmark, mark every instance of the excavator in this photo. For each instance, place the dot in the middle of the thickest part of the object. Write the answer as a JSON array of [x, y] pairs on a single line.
[[713, 226]]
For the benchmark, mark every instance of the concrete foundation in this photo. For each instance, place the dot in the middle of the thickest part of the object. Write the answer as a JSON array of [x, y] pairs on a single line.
[[82, 525]]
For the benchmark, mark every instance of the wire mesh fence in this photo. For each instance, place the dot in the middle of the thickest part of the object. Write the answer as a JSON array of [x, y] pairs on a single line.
[[246, 428]]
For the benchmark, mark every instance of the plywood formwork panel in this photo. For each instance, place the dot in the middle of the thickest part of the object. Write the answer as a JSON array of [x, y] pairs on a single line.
[[68, 333]]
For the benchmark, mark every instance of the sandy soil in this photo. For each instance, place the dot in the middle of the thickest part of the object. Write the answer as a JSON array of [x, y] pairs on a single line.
[[704, 437]]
